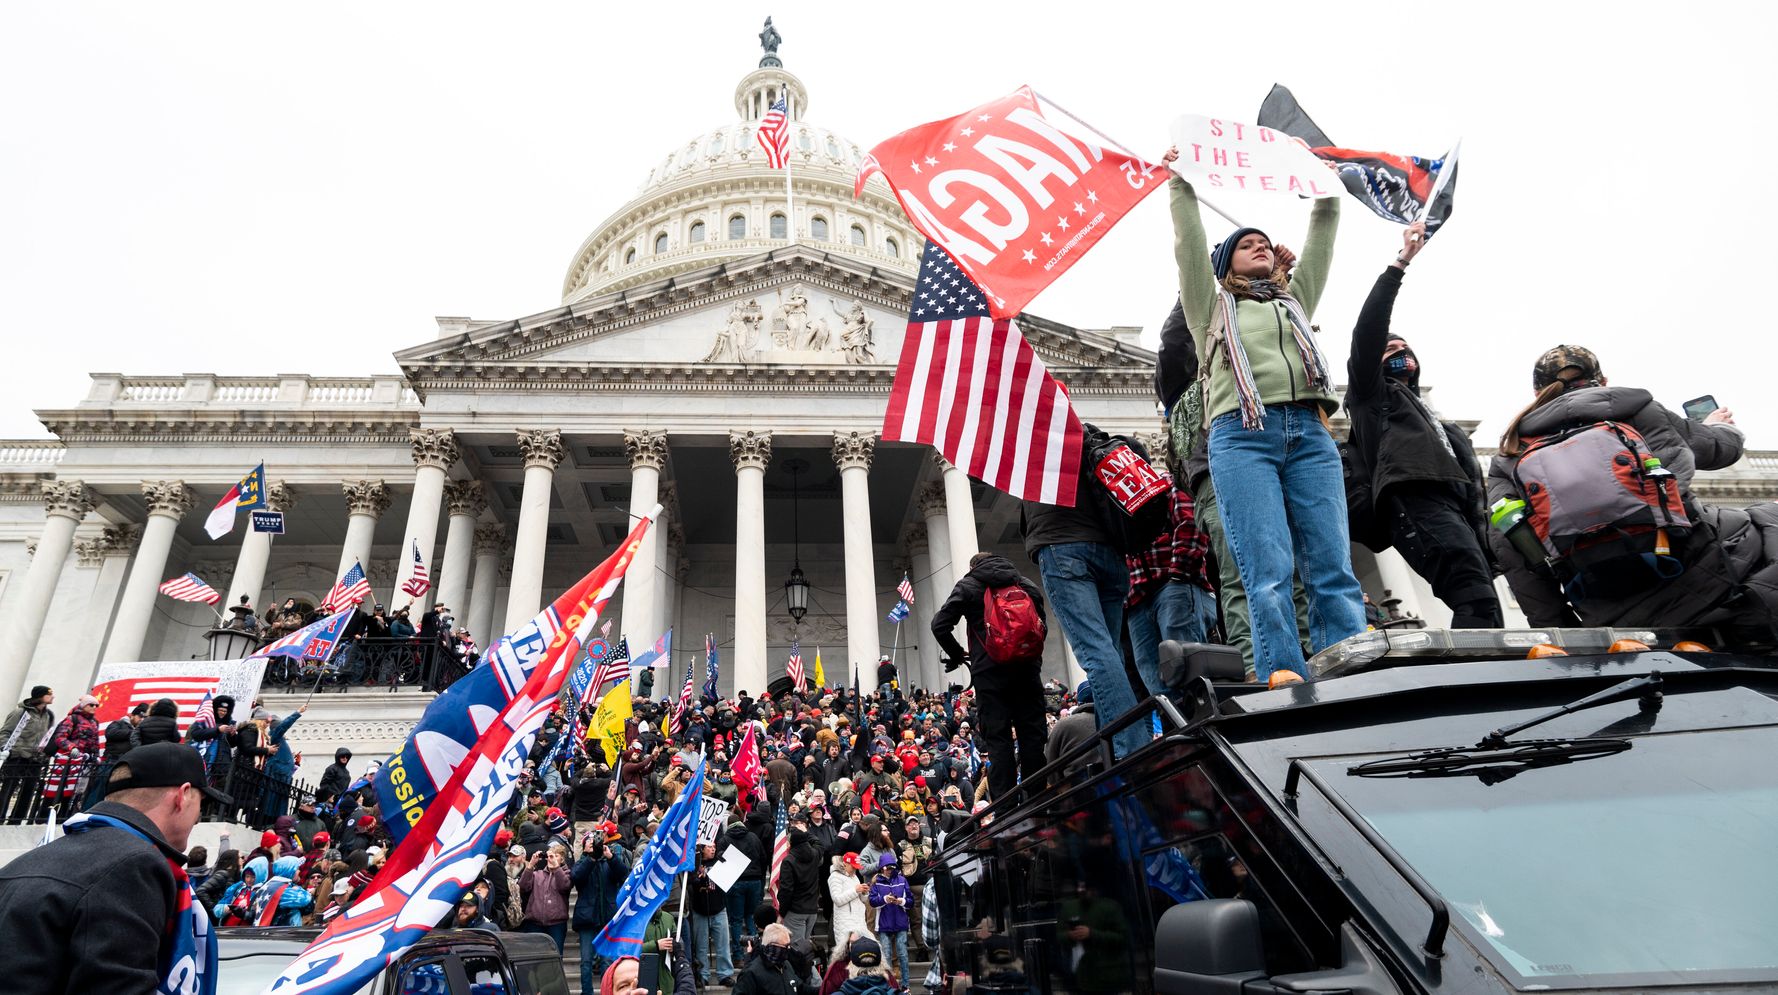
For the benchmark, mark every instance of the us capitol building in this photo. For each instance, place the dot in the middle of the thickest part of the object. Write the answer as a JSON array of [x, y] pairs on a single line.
[[712, 351]]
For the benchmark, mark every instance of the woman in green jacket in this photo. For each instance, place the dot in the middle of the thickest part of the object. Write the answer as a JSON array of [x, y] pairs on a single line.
[[1268, 396]]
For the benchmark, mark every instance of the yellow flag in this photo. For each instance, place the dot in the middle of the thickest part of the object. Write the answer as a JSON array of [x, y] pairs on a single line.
[[608, 719], [820, 675]]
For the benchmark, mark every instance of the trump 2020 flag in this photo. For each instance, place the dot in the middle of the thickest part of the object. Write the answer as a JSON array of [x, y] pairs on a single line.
[[439, 859], [244, 496], [1011, 196], [459, 717], [1399, 188], [672, 851], [970, 386], [315, 641]]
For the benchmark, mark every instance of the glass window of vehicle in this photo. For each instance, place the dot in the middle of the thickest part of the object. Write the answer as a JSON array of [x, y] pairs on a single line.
[[421, 977], [254, 973], [1654, 866], [541, 977], [486, 975]]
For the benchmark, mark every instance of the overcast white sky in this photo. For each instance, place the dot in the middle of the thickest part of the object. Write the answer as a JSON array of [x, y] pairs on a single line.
[[258, 189]]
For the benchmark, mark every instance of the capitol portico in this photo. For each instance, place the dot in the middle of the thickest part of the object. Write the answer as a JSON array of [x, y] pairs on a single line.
[[717, 350]]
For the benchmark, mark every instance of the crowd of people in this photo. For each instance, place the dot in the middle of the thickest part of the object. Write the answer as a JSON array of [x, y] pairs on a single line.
[[379, 647]]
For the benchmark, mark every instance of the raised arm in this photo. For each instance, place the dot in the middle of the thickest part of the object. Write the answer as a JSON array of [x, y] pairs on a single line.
[[1310, 279], [1191, 253], [1364, 369]]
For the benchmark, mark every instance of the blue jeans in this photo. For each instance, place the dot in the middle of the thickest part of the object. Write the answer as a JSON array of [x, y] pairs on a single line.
[[897, 943], [592, 966], [1283, 501], [708, 931], [1178, 611], [743, 898], [555, 931], [1086, 583]]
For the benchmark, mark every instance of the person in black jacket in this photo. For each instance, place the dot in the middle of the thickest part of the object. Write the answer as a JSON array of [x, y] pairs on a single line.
[[800, 883], [161, 725], [1424, 482], [749, 891], [1011, 694], [93, 911], [336, 777]]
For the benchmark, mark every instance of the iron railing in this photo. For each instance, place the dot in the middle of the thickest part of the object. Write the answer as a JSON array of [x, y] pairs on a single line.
[[373, 662], [31, 789]]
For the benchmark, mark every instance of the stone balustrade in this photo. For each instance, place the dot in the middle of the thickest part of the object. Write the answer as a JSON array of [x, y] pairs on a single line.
[[111, 390]]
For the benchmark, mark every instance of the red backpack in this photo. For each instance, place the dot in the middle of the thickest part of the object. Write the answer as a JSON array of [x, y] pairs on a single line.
[[1011, 628]]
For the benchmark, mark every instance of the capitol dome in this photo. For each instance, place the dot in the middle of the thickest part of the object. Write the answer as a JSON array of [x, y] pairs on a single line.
[[714, 198]]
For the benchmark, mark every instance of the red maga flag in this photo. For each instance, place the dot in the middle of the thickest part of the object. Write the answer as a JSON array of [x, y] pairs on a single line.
[[1013, 199]]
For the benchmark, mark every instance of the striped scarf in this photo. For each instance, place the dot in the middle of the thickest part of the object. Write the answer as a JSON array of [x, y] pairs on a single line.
[[1225, 328], [188, 953]]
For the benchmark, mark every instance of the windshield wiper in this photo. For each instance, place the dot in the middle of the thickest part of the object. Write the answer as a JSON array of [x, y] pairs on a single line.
[[1496, 758]]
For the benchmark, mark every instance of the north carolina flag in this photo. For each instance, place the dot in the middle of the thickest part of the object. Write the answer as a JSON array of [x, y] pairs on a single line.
[[244, 496]]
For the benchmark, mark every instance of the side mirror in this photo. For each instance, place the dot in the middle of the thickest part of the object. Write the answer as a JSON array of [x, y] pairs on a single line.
[[1207, 947]]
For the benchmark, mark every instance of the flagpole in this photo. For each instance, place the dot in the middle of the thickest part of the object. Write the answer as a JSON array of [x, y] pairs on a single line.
[[789, 201]]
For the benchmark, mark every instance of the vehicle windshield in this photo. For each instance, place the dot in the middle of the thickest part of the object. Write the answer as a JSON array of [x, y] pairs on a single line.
[[1654, 866], [251, 974]]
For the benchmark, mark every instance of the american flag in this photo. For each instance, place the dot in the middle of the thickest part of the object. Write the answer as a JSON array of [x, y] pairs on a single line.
[[971, 387], [780, 848], [905, 589], [676, 721], [794, 669], [419, 583], [206, 715], [615, 665], [190, 588], [713, 670], [351, 588], [191, 694], [774, 134]]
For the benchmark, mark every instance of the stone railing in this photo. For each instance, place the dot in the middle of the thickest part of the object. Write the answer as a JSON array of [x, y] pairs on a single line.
[[30, 454], [207, 390]]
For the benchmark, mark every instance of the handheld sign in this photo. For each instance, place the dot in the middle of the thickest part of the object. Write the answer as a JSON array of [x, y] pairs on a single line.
[[1229, 155], [268, 521]]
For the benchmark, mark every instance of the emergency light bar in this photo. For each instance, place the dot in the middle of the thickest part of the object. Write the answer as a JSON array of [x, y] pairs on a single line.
[[1367, 650]]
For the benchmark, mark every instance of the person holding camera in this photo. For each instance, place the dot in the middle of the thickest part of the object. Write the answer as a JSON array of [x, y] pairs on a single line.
[[545, 887], [597, 876]]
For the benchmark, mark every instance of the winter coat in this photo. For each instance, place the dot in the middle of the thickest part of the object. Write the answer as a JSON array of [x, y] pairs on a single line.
[[161, 725], [848, 908], [891, 918], [282, 762], [761, 978], [799, 882], [706, 899], [546, 895], [866, 985], [334, 780], [33, 726], [1731, 549], [1051, 525], [211, 891], [738, 836], [292, 900], [120, 736], [659, 928], [89, 912], [597, 882], [965, 601], [77, 735]]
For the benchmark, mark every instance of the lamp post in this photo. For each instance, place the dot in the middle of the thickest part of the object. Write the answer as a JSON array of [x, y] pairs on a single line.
[[796, 589]]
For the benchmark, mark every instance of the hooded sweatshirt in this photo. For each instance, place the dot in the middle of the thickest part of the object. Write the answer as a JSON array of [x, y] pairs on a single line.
[[291, 897], [966, 602]]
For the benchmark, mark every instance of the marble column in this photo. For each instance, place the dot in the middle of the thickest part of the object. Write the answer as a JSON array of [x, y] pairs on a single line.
[[366, 500], [648, 455], [434, 450], [66, 502], [959, 514], [256, 550], [666, 596], [168, 501], [465, 502], [543, 451], [931, 502], [750, 451], [489, 539], [109, 558], [926, 601], [852, 453]]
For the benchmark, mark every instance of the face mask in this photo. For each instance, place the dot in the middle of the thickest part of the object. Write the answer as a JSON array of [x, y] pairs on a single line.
[[1400, 366], [774, 954]]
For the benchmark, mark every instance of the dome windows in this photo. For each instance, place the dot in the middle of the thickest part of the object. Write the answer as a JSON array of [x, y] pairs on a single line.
[[804, 142], [780, 226], [833, 149], [858, 235], [660, 243], [892, 247], [818, 228], [629, 256], [697, 231], [737, 227], [715, 148]]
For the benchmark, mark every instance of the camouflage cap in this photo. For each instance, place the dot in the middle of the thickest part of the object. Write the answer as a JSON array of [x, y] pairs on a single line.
[[1552, 363]]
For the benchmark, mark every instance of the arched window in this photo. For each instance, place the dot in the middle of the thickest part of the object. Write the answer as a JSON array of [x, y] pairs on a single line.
[[892, 247], [660, 243], [697, 231], [818, 229], [857, 235], [779, 226], [737, 227], [833, 150], [715, 144], [629, 257], [804, 142]]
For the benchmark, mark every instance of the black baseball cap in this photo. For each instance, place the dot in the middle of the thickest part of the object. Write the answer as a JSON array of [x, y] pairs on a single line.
[[164, 765]]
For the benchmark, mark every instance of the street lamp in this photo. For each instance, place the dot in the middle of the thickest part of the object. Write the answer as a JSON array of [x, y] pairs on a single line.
[[230, 644], [796, 589]]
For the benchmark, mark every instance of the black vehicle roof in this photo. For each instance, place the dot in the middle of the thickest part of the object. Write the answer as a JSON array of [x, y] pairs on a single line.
[[250, 941]]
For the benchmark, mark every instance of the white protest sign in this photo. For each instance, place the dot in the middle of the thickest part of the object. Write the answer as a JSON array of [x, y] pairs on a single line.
[[712, 818], [725, 872], [1229, 155]]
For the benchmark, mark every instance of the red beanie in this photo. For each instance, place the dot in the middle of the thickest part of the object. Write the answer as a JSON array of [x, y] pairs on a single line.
[[608, 983], [503, 838], [267, 839]]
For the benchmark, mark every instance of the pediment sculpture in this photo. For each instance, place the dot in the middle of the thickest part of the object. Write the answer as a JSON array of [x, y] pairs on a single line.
[[797, 333]]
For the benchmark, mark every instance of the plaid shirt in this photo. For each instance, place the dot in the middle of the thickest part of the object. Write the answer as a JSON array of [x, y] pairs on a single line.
[[1181, 554]]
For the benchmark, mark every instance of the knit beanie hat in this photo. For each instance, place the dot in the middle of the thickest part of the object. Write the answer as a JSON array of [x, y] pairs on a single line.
[[608, 981], [556, 822], [1224, 254]]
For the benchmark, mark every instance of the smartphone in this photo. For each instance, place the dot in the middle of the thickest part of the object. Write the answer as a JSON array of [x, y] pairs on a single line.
[[648, 973], [1699, 408]]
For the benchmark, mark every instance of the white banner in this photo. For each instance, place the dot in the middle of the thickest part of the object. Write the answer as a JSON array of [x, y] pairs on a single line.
[[712, 820], [121, 685], [1229, 155]]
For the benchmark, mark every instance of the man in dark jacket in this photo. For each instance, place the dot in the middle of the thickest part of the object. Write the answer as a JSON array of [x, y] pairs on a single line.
[[161, 725], [747, 892], [336, 777], [600, 872], [22, 739], [1011, 692], [1424, 483], [801, 882], [90, 912]]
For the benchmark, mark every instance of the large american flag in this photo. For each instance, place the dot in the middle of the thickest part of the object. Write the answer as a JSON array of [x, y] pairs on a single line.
[[971, 387], [905, 589], [351, 588], [774, 134], [419, 582], [794, 669], [190, 588], [780, 849], [191, 694]]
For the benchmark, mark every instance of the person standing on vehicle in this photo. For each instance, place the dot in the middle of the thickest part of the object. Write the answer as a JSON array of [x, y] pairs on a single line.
[[108, 907], [597, 876], [1010, 691], [1421, 474]]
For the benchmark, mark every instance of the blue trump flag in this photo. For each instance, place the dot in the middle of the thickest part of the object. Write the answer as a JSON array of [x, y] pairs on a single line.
[[672, 851]]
